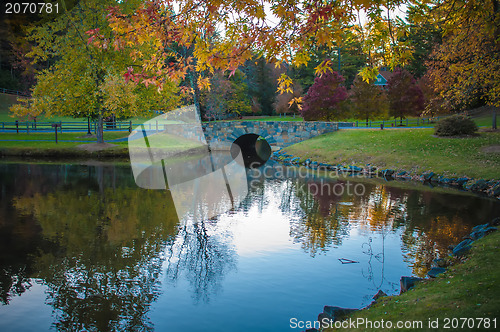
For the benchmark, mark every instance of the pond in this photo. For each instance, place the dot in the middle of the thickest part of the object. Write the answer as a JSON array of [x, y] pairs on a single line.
[[83, 248]]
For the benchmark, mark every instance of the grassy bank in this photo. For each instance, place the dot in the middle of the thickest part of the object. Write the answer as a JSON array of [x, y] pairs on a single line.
[[466, 290], [43, 145], [414, 150], [62, 151], [70, 136], [17, 143]]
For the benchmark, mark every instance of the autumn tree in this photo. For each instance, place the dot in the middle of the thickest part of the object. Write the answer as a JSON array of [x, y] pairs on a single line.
[[348, 63], [383, 37], [223, 35], [368, 100], [284, 102], [465, 68], [322, 101], [226, 95], [82, 80], [433, 103], [404, 94]]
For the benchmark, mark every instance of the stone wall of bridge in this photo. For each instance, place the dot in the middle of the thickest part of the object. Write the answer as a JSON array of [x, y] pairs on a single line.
[[278, 134]]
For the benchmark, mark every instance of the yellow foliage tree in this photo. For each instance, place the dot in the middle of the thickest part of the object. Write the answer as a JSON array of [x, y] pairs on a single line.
[[84, 81]]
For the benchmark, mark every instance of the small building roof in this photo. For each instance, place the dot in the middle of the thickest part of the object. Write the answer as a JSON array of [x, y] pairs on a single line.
[[383, 77]]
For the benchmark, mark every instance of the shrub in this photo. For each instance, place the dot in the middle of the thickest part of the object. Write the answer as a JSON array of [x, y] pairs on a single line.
[[455, 125]]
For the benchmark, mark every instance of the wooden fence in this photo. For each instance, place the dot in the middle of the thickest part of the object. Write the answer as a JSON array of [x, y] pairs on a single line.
[[39, 126]]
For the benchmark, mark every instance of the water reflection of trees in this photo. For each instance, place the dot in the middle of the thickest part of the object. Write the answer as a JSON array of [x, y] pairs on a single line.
[[329, 214], [436, 220], [428, 221], [322, 224], [19, 243], [20, 236], [201, 253], [106, 242]]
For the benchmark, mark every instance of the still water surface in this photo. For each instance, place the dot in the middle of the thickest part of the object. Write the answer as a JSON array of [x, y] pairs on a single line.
[[83, 248]]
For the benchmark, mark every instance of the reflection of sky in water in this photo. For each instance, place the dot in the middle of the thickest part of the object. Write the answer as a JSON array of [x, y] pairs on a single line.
[[258, 232], [275, 278], [250, 269], [27, 312]]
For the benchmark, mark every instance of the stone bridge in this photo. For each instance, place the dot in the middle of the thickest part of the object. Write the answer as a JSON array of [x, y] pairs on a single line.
[[278, 134], [246, 136]]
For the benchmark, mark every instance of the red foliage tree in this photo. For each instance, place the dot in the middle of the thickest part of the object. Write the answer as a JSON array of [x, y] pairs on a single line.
[[405, 96], [322, 101]]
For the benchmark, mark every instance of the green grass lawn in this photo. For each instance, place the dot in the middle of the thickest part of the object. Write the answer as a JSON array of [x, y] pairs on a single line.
[[80, 136], [29, 140], [486, 120], [466, 290], [5, 117], [409, 149]]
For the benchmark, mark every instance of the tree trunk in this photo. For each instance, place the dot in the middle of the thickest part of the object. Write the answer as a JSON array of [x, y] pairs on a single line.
[[100, 129], [193, 81]]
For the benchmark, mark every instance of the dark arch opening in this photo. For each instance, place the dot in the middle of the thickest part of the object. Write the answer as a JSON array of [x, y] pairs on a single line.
[[254, 149]]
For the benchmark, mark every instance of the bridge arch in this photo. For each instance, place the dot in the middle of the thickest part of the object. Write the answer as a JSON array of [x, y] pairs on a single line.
[[254, 149]]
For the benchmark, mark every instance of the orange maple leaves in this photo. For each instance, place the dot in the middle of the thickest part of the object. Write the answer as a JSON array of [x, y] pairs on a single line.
[[171, 39]]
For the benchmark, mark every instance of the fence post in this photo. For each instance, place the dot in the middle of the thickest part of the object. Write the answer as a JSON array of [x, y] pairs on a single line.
[[55, 125], [356, 123], [17, 126], [407, 122], [130, 126], [60, 125], [27, 127], [370, 123]]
